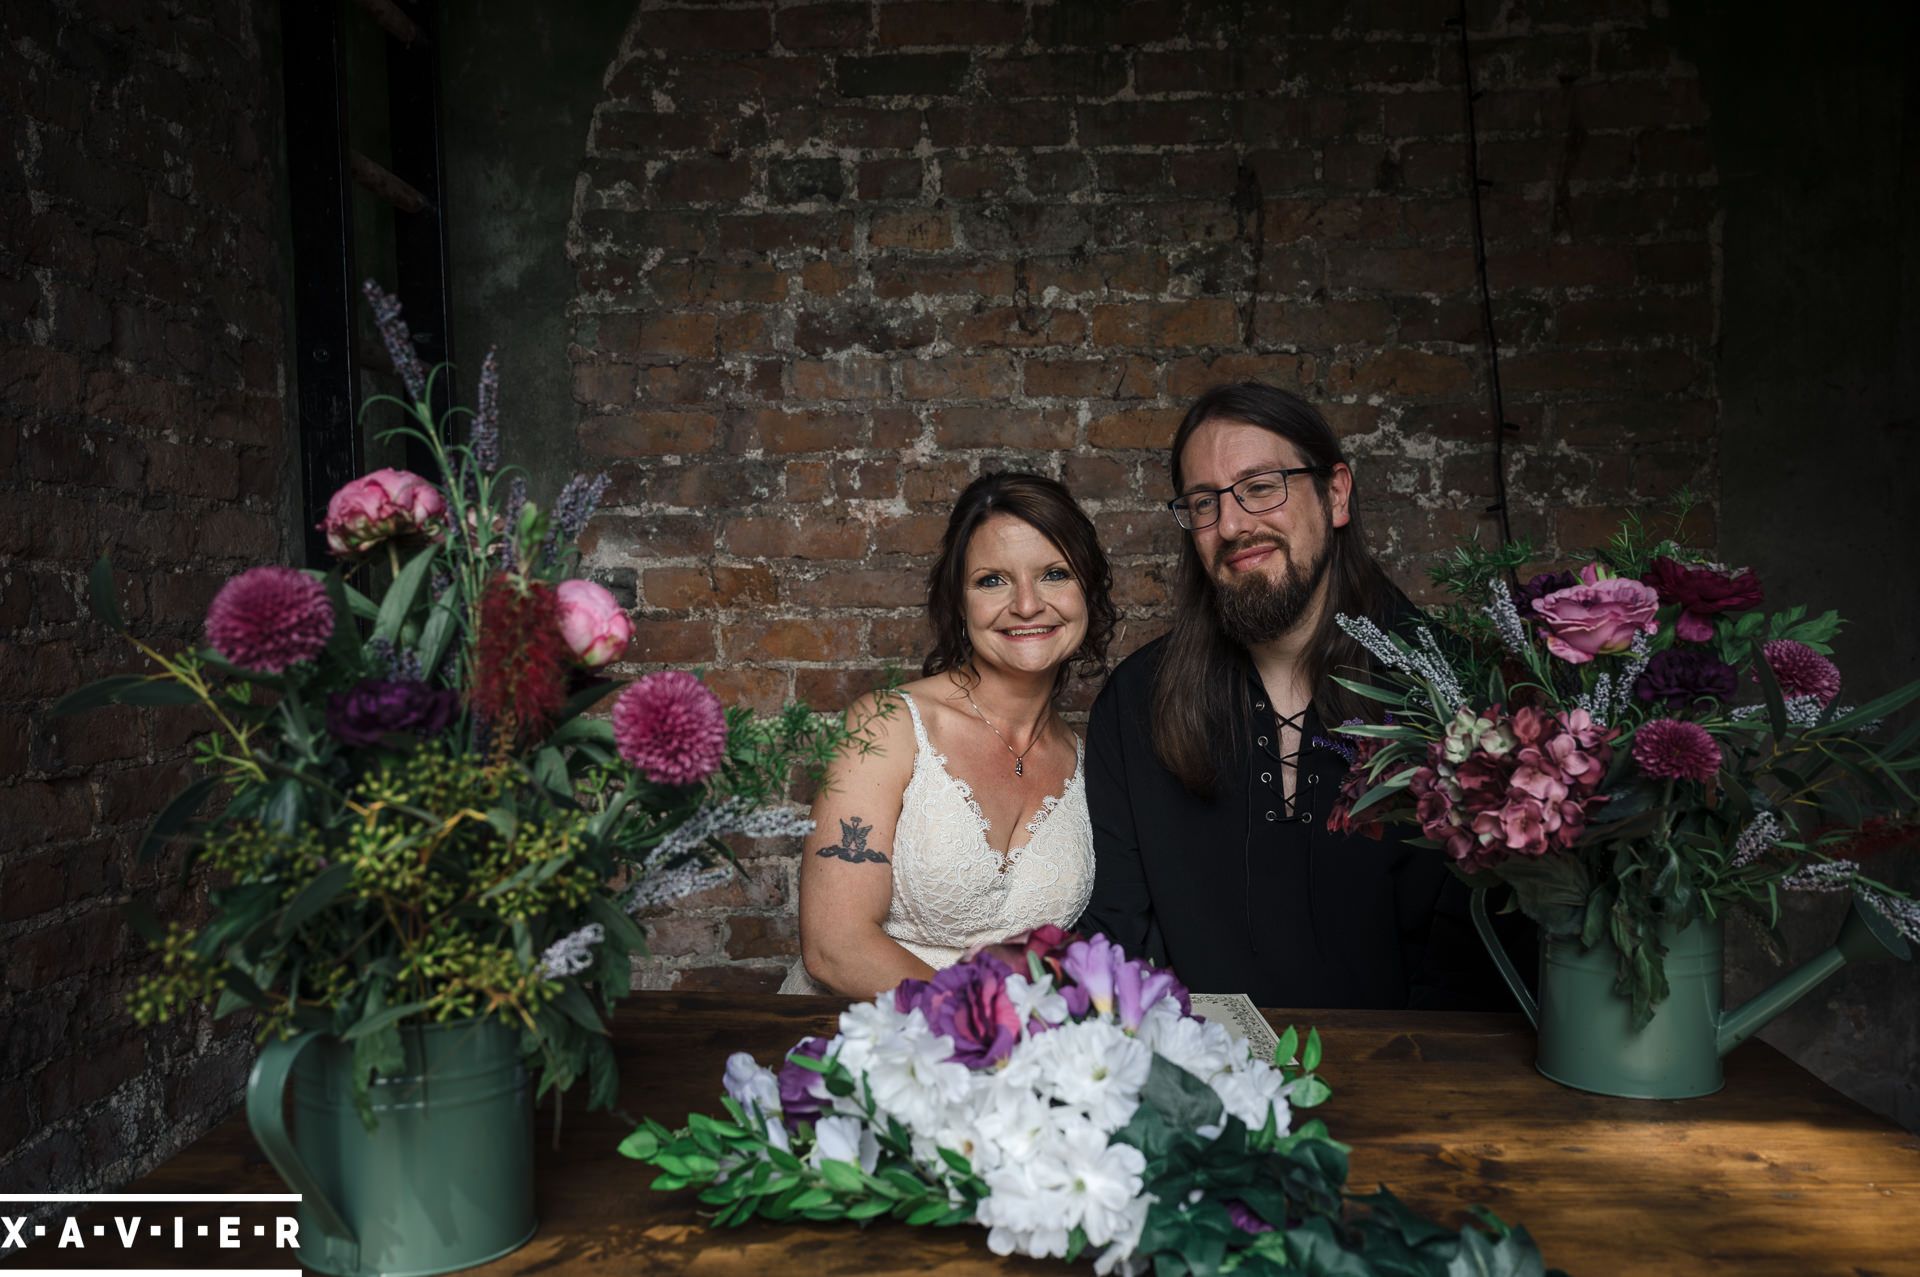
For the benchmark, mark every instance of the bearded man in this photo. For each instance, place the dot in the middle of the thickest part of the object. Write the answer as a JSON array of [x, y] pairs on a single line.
[[1211, 761]]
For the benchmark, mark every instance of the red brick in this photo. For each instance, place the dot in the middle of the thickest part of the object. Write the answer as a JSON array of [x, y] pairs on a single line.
[[900, 179], [679, 936], [686, 334], [808, 639], [643, 434], [803, 537], [698, 589], [763, 935], [951, 22], [1402, 372], [778, 232], [861, 587], [599, 385], [776, 430], [674, 642], [615, 538], [824, 26], [1187, 378], [1017, 327], [706, 30], [838, 687], [959, 377], [917, 229], [998, 427], [764, 691], [906, 277], [1138, 428], [994, 124], [1122, 378], [849, 377]]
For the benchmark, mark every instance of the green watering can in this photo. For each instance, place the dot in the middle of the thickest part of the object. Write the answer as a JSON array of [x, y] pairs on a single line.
[[444, 1180], [1587, 1038]]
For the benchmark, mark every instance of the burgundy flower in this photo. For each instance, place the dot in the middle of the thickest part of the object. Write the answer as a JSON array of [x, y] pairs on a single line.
[[1673, 749], [521, 658], [1680, 677], [967, 1002], [366, 713], [1539, 587], [1801, 671], [1702, 593], [671, 727], [803, 1093], [269, 618]]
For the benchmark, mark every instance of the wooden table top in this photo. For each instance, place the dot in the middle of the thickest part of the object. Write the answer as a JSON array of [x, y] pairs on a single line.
[[1776, 1174]]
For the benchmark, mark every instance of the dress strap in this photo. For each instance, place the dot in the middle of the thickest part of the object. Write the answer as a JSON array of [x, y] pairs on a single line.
[[919, 728]]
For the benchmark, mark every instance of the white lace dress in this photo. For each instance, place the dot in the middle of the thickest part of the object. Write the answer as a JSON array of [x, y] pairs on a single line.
[[952, 890]]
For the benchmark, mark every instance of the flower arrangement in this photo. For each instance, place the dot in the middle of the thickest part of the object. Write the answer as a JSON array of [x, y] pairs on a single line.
[[419, 820], [1073, 1108], [1629, 743]]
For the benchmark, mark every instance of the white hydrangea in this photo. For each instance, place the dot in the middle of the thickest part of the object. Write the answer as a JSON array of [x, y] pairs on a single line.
[[1093, 1066], [913, 1077], [1251, 1092], [844, 1139]]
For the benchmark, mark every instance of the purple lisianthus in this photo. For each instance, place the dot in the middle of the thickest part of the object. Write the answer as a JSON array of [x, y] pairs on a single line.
[[967, 1002], [803, 1093], [1244, 1219], [1679, 677], [1138, 985], [1539, 587], [367, 712]]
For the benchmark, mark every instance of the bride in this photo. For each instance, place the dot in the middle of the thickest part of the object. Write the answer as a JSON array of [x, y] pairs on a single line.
[[963, 820]]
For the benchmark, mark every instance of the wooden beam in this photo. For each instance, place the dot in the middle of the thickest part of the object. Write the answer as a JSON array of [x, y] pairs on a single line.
[[392, 20], [377, 179]]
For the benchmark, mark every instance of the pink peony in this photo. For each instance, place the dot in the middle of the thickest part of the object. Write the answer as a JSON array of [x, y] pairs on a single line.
[[1673, 749], [381, 505], [591, 620], [1802, 671], [1598, 617], [671, 727], [269, 618]]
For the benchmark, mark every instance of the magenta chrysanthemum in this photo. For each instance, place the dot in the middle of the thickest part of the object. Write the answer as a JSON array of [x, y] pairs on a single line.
[[671, 727], [1802, 671], [268, 618], [1670, 749]]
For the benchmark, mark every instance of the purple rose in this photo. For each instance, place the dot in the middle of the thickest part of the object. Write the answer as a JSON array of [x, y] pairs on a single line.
[[967, 1002], [803, 1093], [1680, 676], [374, 707]]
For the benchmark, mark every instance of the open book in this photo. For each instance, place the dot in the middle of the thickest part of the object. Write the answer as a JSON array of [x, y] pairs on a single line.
[[1236, 1011]]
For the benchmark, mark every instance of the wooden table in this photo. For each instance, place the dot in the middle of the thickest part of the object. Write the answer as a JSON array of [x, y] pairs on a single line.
[[1776, 1174]]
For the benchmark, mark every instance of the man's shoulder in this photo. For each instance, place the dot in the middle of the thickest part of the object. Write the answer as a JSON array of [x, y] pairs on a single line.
[[1134, 676]]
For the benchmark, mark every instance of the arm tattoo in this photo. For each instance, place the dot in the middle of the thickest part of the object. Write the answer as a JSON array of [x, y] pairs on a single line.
[[852, 846]]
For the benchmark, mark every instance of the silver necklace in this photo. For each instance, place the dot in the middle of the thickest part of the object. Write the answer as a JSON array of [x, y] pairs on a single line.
[[1020, 758]]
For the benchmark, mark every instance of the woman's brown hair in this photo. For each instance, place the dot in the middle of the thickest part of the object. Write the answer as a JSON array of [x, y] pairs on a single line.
[[1046, 506], [1199, 697]]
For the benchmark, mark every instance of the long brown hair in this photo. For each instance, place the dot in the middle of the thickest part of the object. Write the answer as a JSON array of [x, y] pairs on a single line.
[[1199, 697], [1045, 505]]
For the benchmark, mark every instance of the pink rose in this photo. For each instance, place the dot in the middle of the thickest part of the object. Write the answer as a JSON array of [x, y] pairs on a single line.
[[1596, 618], [381, 505], [591, 620]]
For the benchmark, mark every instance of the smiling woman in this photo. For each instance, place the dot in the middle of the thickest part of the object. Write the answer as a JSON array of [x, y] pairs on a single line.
[[964, 822]]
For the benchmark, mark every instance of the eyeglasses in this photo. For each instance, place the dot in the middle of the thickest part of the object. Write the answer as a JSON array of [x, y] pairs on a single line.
[[1257, 494]]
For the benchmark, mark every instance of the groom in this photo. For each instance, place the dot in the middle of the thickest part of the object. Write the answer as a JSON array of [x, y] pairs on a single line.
[[1211, 764]]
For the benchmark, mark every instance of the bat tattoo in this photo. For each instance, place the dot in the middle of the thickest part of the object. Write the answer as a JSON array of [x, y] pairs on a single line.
[[852, 846]]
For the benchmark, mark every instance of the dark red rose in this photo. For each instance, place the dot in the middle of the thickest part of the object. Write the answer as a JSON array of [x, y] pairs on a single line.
[[1702, 594]]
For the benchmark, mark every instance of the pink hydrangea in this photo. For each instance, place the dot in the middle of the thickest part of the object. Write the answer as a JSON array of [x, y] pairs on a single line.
[[1673, 749], [1597, 617], [377, 506], [269, 618], [671, 727], [1802, 671]]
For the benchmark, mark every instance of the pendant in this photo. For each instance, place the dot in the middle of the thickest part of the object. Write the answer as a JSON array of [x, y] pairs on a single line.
[[1019, 766]]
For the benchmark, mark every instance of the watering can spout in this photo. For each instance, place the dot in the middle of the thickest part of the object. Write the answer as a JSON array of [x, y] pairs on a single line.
[[1865, 935]]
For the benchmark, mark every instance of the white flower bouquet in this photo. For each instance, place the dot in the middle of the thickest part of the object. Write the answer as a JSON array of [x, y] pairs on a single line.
[[1076, 1109]]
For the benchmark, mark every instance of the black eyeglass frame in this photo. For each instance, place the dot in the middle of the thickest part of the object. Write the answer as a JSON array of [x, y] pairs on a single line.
[[1233, 489]]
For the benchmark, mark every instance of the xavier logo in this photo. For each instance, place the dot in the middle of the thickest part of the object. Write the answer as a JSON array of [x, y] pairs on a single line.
[[21, 1237]]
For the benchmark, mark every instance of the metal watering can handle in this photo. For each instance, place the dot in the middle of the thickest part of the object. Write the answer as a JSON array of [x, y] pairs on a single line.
[[1490, 938], [266, 1088]]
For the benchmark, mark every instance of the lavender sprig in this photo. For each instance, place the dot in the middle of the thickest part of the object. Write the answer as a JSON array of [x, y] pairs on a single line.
[[1757, 839], [399, 342], [571, 954], [1506, 620], [1903, 913], [1427, 662], [485, 439], [573, 509], [1826, 875]]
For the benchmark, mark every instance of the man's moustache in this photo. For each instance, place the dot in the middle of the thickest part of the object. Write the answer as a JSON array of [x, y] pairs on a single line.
[[1241, 547]]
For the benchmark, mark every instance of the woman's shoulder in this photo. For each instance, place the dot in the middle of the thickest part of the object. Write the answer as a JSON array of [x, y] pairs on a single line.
[[880, 731]]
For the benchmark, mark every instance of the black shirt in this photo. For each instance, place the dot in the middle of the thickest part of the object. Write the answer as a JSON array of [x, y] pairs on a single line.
[[1247, 893]]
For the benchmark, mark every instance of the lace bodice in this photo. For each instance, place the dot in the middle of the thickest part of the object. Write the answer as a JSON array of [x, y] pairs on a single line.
[[952, 890]]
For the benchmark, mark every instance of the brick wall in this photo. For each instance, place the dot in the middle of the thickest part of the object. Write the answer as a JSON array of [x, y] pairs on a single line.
[[141, 370], [836, 259]]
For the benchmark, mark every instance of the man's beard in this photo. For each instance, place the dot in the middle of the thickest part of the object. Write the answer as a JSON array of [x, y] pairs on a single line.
[[1260, 609]]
